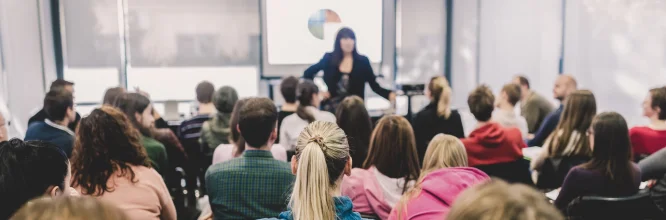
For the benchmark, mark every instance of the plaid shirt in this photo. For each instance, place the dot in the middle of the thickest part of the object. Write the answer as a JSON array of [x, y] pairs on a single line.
[[249, 187]]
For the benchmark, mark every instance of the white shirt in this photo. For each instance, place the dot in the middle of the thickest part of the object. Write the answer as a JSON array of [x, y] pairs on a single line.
[[512, 120], [53, 124], [292, 126], [392, 188]]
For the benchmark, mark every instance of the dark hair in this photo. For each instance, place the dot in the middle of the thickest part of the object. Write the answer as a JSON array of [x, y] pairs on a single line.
[[353, 118], [337, 54], [27, 170], [611, 155], [131, 103], [288, 89], [258, 119], [306, 89], [56, 103], [224, 99], [579, 110], [106, 144], [481, 103], [205, 92], [512, 92], [523, 81], [235, 136], [393, 149], [60, 84], [658, 99], [112, 94]]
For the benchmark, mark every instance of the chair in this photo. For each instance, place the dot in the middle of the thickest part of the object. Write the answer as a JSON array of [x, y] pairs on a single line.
[[513, 172], [638, 206], [554, 170], [369, 216]]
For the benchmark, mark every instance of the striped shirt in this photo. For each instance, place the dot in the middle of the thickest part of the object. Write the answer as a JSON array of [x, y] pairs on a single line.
[[190, 129]]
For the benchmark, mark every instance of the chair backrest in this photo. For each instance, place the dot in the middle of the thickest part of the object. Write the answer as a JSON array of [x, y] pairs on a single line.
[[554, 170], [513, 172], [638, 206], [366, 216]]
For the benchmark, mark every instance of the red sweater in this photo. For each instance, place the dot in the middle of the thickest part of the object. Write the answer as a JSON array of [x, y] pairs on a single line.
[[493, 144], [646, 141]]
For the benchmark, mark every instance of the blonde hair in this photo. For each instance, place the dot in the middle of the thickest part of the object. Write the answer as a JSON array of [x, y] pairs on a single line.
[[498, 200], [322, 152], [68, 208], [441, 92], [444, 151]]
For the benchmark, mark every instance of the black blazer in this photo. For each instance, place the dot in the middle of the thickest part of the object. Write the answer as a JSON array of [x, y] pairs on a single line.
[[427, 124], [360, 74]]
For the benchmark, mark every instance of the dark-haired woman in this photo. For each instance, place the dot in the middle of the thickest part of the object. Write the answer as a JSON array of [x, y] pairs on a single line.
[[109, 163], [354, 119], [610, 172], [346, 71], [307, 112]]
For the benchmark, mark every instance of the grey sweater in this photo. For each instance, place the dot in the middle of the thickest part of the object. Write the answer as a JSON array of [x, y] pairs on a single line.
[[653, 166]]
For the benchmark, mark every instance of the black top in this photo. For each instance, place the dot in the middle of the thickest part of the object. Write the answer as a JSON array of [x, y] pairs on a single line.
[[585, 182], [41, 115], [281, 116], [360, 74], [427, 124]]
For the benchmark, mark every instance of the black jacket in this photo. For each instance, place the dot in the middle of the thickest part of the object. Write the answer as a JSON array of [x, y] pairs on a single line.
[[41, 115], [427, 124]]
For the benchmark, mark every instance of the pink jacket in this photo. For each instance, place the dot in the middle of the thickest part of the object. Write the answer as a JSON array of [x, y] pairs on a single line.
[[366, 194], [439, 189]]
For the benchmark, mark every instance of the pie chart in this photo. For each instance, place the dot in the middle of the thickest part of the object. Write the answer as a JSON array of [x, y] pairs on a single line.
[[322, 22]]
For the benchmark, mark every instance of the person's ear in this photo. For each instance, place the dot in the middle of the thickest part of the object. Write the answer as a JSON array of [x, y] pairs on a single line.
[[657, 110], [294, 164], [348, 167], [238, 128], [138, 117], [54, 191]]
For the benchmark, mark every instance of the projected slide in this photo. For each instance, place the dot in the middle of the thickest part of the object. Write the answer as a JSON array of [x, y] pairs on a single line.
[[301, 31]]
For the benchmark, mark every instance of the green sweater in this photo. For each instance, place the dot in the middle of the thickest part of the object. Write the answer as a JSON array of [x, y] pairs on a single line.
[[157, 154]]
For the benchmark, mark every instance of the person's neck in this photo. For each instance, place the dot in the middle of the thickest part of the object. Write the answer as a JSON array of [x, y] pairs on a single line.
[[64, 122], [289, 107], [506, 107], [264, 147], [206, 108], [482, 123], [526, 95], [657, 124], [346, 55]]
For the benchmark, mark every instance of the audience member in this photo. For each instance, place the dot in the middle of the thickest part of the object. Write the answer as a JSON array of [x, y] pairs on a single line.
[[69, 208], [647, 140], [109, 163], [437, 117], [112, 94], [306, 113], [444, 175], [226, 152], [389, 171], [533, 106], [288, 90], [29, 170], [567, 146], [255, 185], [653, 167], [497, 200], [216, 130], [321, 160], [3, 128], [354, 119], [564, 85], [138, 110], [57, 85], [59, 107], [505, 114], [610, 172]]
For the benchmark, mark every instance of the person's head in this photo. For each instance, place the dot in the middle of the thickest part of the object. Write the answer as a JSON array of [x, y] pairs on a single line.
[[112, 94], [510, 94], [579, 110], [138, 109], [258, 122], [59, 106], [654, 106], [205, 92], [498, 200], [611, 148], [439, 92], [3, 128], [481, 103], [322, 156], [61, 84], [224, 99], [106, 144], [28, 170], [524, 84], [345, 43], [307, 93], [564, 85], [69, 208], [235, 135], [288, 89], [393, 149], [353, 118]]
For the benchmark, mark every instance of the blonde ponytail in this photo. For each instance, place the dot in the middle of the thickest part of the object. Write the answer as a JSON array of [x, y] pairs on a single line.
[[441, 92]]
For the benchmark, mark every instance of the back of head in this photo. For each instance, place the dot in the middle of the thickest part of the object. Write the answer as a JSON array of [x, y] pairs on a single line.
[[235, 135], [257, 121], [353, 118], [658, 100], [481, 103], [28, 170], [497, 200], [393, 149], [288, 89], [205, 92], [106, 142], [112, 94], [56, 103], [579, 110], [564, 85], [60, 84], [69, 208], [512, 92], [131, 104], [523, 81], [441, 93], [444, 151], [224, 99], [305, 91], [611, 153], [322, 154]]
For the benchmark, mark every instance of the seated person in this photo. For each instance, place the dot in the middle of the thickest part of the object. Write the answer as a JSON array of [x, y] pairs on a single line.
[[70, 208], [653, 167], [112, 94], [444, 175], [505, 114], [57, 85], [533, 106], [610, 172], [564, 85], [288, 90], [647, 140], [30, 170], [307, 112], [59, 106], [255, 185], [216, 130], [109, 163], [353, 118], [390, 170]]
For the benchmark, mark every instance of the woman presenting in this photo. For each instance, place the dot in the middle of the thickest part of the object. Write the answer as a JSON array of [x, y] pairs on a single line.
[[346, 72]]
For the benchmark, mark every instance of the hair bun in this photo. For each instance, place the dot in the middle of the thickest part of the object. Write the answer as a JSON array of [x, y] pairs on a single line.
[[319, 141]]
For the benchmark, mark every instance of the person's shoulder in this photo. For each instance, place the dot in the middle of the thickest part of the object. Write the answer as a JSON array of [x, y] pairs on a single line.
[[151, 142], [327, 116], [639, 130]]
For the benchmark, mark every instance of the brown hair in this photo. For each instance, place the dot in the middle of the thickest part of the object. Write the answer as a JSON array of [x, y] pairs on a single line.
[[60, 84], [257, 120], [106, 144], [393, 149], [498, 200], [441, 92], [235, 136], [579, 110], [304, 92], [69, 208], [523, 81], [658, 99], [288, 89], [481, 103], [205, 92], [131, 103], [353, 118], [112, 94], [512, 92]]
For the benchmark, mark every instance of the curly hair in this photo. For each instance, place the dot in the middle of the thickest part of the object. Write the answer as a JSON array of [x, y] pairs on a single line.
[[106, 144]]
